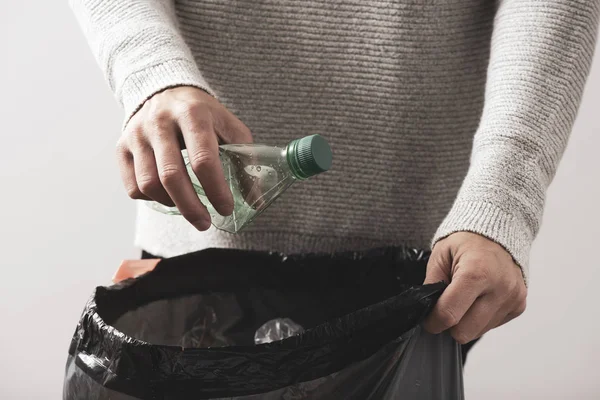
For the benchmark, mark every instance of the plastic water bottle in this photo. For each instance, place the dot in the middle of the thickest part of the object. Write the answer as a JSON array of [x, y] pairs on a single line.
[[258, 174], [277, 329]]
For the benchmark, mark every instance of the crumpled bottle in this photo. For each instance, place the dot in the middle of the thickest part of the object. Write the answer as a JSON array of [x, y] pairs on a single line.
[[276, 329], [256, 175]]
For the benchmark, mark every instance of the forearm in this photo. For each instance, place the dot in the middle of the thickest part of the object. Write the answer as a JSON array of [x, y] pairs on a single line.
[[540, 59], [138, 47]]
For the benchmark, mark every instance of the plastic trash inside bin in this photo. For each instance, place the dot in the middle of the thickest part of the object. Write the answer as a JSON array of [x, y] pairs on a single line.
[[276, 329]]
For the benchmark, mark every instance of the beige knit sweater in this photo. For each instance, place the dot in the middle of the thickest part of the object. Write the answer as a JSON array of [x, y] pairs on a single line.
[[443, 115]]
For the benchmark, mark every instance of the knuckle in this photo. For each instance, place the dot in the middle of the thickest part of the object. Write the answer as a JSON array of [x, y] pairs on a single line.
[[478, 274], [201, 159], [134, 192], [478, 259], [133, 134], [161, 115], [521, 301], [191, 107], [158, 108], [170, 174], [522, 294], [440, 247], [507, 289], [192, 111], [447, 317], [122, 148], [196, 115], [148, 185], [521, 307], [517, 290]]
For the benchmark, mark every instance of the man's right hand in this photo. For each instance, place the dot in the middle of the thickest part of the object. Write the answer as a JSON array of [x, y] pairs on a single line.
[[149, 152]]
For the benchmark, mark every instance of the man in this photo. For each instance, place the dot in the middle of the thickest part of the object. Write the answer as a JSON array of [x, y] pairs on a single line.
[[447, 119]]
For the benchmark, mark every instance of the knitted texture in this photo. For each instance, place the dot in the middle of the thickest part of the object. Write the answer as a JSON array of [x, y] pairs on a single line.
[[401, 90]]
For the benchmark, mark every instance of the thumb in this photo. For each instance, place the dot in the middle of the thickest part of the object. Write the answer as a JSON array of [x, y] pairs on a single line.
[[437, 269]]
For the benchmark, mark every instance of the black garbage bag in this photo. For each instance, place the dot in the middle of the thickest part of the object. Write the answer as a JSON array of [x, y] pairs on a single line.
[[202, 325]]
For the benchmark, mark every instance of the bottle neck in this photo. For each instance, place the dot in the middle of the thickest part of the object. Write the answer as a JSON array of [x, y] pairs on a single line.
[[291, 156]]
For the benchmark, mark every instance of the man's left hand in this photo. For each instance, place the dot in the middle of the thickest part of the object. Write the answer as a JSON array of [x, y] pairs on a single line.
[[486, 287]]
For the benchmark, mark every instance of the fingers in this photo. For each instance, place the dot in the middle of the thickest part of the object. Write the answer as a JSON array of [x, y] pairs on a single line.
[[507, 318], [149, 153], [438, 267], [486, 312], [512, 309], [127, 171], [203, 152], [146, 175], [486, 289], [174, 178], [475, 320], [234, 130], [435, 274], [456, 300]]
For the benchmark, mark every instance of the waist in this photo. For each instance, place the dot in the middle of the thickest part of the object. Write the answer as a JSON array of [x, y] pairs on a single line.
[[290, 226]]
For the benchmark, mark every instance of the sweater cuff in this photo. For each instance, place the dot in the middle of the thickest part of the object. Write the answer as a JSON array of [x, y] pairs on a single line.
[[142, 85], [494, 223]]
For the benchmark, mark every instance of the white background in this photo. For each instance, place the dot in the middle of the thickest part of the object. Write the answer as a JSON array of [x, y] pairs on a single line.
[[65, 224]]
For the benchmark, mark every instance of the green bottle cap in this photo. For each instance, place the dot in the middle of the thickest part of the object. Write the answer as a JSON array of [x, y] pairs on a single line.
[[309, 156]]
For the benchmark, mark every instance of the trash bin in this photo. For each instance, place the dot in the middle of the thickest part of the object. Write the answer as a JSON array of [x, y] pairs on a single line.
[[233, 324]]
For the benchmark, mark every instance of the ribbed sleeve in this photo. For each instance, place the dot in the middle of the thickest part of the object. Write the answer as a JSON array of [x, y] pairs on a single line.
[[540, 57], [138, 47]]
